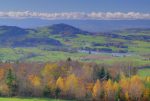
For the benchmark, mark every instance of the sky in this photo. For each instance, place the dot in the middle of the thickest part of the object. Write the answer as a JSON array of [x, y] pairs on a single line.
[[75, 9], [76, 5]]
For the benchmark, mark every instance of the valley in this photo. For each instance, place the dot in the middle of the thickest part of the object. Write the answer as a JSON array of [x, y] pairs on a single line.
[[61, 41]]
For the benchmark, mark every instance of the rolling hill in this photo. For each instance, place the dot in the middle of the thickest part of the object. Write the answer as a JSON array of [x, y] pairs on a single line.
[[65, 38], [12, 36], [60, 41]]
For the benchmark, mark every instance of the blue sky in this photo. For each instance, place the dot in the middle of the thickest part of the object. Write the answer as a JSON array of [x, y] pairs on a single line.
[[76, 5], [37, 12]]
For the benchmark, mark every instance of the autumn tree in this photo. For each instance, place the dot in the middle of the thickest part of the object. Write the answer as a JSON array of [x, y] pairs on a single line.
[[116, 90], [74, 87], [73, 80], [87, 73], [132, 88], [136, 88], [111, 90], [2, 73], [49, 70], [53, 70], [108, 89], [124, 84], [4, 90], [71, 84], [59, 85], [97, 90], [35, 82]]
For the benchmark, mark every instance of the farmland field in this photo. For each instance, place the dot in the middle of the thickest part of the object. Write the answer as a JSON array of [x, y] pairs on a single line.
[[144, 72]]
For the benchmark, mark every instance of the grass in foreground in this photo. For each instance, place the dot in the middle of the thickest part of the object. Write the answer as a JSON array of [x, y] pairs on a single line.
[[30, 99]]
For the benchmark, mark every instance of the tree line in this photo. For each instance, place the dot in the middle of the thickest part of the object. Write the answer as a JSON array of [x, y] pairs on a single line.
[[74, 80]]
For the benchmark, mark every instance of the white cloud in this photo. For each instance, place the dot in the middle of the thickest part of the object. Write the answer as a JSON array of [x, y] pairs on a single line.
[[75, 15]]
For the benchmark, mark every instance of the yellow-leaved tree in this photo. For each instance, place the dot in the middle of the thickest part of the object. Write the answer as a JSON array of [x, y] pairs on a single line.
[[74, 87], [132, 88], [97, 90], [60, 83], [124, 84], [35, 82], [108, 89], [136, 88]]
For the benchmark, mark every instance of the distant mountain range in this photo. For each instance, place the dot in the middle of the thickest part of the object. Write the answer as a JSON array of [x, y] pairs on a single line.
[[19, 37], [88, 25]]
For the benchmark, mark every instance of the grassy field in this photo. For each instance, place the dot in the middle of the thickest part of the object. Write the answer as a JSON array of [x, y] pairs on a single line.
[[39, 55], [144, 72], [136, 46], [30, 99], [35, 54]]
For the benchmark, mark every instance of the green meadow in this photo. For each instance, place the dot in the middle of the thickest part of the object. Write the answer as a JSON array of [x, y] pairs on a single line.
[[144, 72]]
